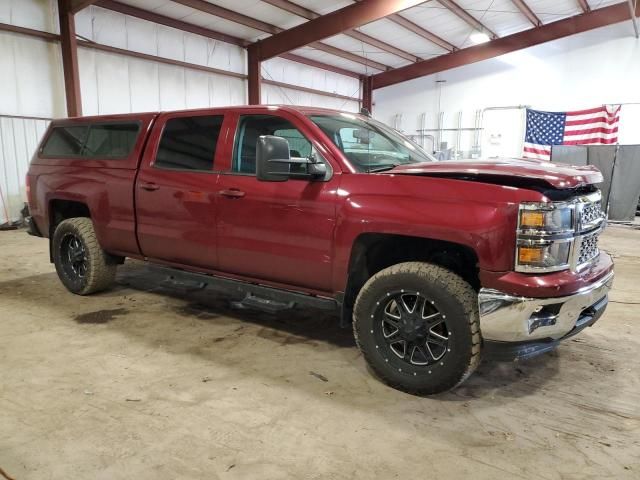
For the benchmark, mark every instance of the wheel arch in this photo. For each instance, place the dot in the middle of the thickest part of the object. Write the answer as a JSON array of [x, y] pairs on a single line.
[[373, 252], [63, 209]]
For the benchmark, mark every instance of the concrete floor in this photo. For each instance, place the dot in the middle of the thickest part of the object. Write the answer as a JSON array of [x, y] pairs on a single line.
[[153, 381]]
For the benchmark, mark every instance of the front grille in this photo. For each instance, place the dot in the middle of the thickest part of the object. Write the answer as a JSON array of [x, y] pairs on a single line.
[[588, 249], [591, 218], [591, 214]]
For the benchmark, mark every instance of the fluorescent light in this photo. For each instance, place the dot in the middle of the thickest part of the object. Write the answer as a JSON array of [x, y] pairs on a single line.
[[479, 37]]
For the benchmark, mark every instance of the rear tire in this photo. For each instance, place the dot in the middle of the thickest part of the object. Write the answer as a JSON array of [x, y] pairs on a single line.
[[82, 265], [418, 328]]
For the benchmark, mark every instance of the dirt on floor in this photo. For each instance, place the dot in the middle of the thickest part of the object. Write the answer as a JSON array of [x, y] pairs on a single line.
[[152, 380]]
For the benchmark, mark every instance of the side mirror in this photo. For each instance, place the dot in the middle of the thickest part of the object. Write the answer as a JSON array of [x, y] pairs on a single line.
[[272, 159], [317, 170]]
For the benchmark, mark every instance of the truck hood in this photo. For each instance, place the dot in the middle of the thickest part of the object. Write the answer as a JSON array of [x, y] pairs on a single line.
[[509, 171]]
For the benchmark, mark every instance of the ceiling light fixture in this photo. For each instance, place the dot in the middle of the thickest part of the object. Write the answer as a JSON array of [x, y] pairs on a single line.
[[479, 37]]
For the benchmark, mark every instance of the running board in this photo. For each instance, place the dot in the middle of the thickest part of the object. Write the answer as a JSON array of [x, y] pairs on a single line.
[[256, 296]]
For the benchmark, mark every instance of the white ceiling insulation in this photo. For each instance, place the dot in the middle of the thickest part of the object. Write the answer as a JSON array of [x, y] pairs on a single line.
[[500, 16]]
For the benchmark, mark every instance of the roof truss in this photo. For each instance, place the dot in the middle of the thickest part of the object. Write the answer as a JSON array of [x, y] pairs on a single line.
[[303, 12], [528, 38], [527, 12], [328, 25], [467, 17], [348, 19], [206, 7]]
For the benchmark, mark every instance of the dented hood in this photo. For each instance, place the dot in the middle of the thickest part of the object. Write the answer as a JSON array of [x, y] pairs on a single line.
[[556, 175]]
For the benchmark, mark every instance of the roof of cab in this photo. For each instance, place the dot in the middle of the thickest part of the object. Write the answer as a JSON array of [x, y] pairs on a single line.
[[304, 110]]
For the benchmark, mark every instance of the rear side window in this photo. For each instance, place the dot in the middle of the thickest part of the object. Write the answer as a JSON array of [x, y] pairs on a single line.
[[65, 141], [189, 143], [111, 140]]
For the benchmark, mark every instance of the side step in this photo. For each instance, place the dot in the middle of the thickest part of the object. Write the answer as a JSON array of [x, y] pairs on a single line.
[[256, 296], [264, 304]]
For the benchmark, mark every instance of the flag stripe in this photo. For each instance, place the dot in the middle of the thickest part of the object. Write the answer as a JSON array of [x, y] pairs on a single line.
[[588, 111], [599, 119], [537, 150], [585, 131]]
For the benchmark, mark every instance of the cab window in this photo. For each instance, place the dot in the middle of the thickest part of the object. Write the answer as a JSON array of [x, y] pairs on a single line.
[[250, 127]]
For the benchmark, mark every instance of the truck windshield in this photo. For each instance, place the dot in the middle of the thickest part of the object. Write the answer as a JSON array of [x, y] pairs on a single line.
[[369, 145]]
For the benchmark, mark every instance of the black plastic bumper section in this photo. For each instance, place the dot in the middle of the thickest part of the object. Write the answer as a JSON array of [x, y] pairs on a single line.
[[512, 351], [32, 228]]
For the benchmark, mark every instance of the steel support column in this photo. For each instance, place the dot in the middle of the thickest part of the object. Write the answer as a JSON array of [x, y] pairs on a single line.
[[69, 48], [254, 78]]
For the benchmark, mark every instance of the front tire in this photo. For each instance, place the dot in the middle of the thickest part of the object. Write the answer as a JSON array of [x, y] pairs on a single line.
[[81, 264], [417, 326]]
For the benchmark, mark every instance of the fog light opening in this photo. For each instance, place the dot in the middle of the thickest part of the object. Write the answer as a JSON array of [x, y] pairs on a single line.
[[543, 316]]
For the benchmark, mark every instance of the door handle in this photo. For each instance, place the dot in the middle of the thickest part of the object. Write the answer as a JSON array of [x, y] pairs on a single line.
[[232, 193], [149, 186]]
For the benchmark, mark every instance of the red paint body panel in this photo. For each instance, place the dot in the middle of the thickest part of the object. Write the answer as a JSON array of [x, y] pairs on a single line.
[[298, 234], [555, 174], [556, 284]]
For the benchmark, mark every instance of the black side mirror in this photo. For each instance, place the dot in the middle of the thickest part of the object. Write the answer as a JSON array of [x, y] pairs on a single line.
[[272, 159]]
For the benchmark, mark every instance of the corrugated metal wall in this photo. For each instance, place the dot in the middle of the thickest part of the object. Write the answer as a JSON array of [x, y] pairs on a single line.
[[19, 138], [113, 83]]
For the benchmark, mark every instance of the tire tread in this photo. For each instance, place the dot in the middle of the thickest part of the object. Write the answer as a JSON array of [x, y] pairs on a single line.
[[102, 270], [455, 285]]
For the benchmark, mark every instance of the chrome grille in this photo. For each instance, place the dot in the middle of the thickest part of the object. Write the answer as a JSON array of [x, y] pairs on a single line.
[[591, 218], [591, 214], [588, 248]]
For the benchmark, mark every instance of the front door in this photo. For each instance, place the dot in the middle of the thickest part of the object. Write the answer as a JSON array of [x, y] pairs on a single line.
[[275, 231], [176, 191]]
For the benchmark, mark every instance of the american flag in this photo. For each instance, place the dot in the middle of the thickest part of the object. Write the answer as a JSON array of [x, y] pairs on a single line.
[[582, 127]]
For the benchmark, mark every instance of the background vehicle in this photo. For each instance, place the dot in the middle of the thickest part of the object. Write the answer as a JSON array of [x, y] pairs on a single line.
[[433, 262]]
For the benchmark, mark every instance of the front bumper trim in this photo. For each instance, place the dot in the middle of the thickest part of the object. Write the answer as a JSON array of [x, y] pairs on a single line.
[[508, 318]]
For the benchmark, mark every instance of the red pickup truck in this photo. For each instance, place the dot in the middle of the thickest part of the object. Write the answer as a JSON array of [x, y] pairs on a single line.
[[432, 262]]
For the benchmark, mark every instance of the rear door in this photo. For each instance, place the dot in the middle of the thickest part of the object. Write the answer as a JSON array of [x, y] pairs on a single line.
[[176, 190], [276, 231]]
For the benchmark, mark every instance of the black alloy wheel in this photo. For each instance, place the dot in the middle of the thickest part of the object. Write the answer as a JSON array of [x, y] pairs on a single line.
[[74, 257], [417, 326], [412, 328]]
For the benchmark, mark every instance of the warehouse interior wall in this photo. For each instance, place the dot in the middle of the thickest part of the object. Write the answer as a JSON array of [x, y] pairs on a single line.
[[33, 80], [281, 70], [114, 83], [586, 70]]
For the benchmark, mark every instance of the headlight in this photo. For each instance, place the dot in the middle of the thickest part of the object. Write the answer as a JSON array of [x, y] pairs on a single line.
[[550, 256], [545, 232], [546, 218]]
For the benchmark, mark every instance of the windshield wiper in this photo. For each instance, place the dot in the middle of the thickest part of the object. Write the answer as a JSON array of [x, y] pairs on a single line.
[[382, 169]]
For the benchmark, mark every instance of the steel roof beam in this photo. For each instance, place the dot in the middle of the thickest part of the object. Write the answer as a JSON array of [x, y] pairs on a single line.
[[418, 30], [527, 12], [169, 22], [338, 21], [303, 12], [467, 17], [78, 5], [211, 9], [528, 38], [584, 5], [205, 32]]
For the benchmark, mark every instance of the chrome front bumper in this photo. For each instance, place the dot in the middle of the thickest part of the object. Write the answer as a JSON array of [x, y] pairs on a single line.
[[508, 318]]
